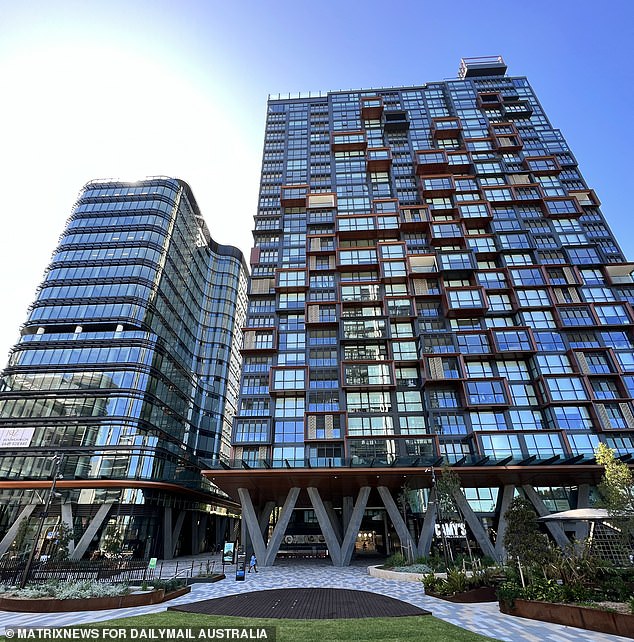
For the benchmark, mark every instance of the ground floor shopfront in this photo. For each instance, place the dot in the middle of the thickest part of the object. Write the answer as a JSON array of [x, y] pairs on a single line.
[[346, 512], [109, 518]]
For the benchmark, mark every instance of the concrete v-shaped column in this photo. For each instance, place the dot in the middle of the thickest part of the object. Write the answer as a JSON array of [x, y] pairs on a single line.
[[334, 520], [556, 530], [327, 530], [354, 525], [266, 554], [91, 531], [429, 525], [7, 540], [67, 518], [265, 517], [407, 541], [474, 524], [507, 498], [339, 554]]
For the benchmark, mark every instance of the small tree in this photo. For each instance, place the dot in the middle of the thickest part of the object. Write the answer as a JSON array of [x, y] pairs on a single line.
[[522, 538], [617, 489], [65, 535], [22, 537]]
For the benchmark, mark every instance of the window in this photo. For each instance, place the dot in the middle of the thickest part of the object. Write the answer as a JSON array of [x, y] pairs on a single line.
[[473, 343], [369, 426], [512, 340], [565, 388], [485, 392], [442, 398], [501, 446], [471, 298], [553, 363], [251, 430], [549, 341], [368, 402], [409, 401], [579, 315], [569, 417], [488, 421], [612, 314]]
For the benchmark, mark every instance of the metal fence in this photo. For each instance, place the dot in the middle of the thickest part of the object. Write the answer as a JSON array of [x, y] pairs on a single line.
[[109, 570], [113, 571]]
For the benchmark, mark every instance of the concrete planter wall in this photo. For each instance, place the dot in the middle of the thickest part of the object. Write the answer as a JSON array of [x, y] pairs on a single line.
[[571, 615], [51, 605], [383, 573]]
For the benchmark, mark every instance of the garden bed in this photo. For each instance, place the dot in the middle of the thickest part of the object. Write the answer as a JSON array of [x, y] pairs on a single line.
[[572, 615], [51, 605], [472, 596]]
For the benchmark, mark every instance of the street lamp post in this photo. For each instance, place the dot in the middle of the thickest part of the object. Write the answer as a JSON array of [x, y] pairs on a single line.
[[57, 464]]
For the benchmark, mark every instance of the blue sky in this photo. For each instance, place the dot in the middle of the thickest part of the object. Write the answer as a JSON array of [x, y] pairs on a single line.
[[136, 88]]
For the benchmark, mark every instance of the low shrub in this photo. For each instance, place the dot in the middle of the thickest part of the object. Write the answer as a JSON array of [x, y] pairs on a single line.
[[69, 590], [398, 559], [169, 585], [413, 568]]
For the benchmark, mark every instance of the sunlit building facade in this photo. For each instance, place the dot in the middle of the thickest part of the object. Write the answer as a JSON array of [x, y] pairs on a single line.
[[433, 282], [127, 369]]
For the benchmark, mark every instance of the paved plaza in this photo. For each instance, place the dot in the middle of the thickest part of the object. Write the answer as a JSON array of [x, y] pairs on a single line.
[[481, 618]]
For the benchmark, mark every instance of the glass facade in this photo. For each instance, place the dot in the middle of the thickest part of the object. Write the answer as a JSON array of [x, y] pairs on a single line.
[[432, 279], [128, 366]]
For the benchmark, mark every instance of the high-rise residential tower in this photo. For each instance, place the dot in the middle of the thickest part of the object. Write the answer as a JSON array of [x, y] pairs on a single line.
[[126, 376], [433, 283]]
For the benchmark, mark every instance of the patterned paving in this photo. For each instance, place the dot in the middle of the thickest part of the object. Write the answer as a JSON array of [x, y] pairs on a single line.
[[480, 618]]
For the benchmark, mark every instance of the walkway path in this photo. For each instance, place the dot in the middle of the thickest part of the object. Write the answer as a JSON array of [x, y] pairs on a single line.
[[481, 618]]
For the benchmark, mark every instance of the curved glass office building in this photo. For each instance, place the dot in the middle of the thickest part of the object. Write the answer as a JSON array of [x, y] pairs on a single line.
[[128, 369]]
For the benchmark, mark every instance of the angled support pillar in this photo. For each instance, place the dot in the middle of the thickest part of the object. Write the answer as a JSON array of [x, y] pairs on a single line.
[[91, 531], [328, 531], [334, 520], [429, 526], [474, 524], [168, 545], [67, 518], [354, 524], [250, 524], [265, 518], [582, 529], [583, 496], [10, 535], [407, 542], [177, 531], [507, 497], [346, 511], [554, 528], [280, 527]]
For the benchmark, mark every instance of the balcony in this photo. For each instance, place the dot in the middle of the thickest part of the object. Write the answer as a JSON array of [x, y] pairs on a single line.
[[442, 185], [459, 162], [293, 195], [542, 165], [431, 161], [348, 141], [448, 127], [489, 100], [371, 107], [395, 121], [414, 218], [326, 200], [378, 159]]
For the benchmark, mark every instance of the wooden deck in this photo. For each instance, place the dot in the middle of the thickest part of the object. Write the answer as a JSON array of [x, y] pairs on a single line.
[[304, 604]]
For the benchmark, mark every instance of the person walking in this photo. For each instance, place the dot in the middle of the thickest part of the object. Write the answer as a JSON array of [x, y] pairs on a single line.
[[253, 563]]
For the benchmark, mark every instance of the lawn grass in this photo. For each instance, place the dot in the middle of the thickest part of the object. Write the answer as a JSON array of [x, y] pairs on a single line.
[[424, 628]]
